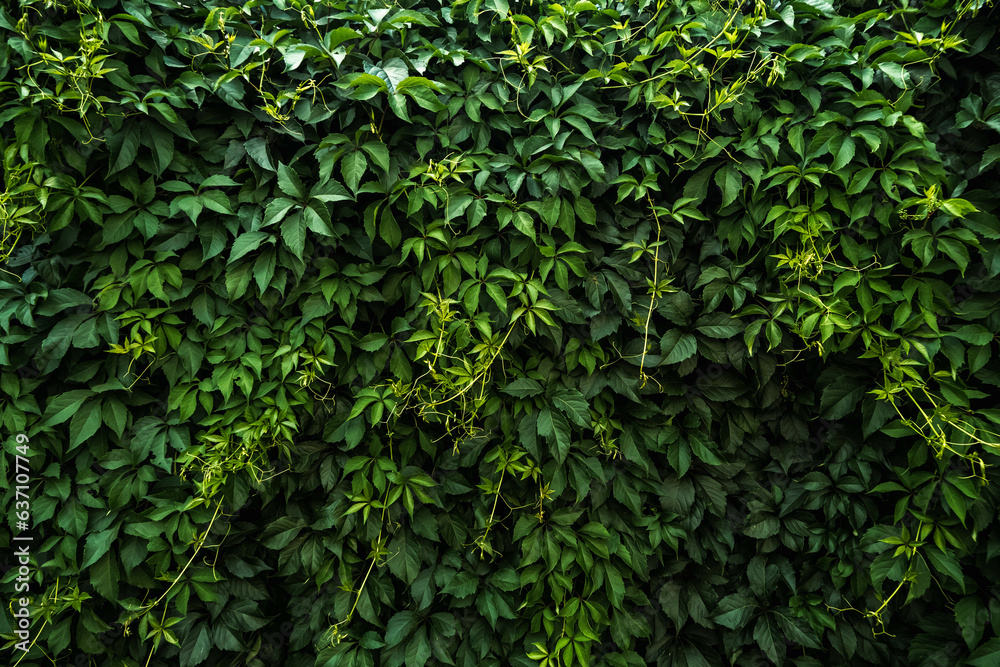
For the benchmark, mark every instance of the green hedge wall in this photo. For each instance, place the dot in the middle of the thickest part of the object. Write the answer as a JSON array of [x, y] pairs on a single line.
[[486, 333]]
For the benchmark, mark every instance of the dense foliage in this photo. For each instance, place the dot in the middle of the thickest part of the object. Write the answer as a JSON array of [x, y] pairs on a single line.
[[488, 333]]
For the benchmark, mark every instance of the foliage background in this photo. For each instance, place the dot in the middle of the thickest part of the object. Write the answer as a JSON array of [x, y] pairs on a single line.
[[481, 333]]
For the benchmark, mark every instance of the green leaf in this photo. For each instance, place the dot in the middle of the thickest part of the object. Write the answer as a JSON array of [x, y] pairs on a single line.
[[276, 210], [353, 166], [895, 71], [263, 269], [84, 424], [73, 518], [734, 611], [418, 648], [845, 154], [945, 563], [796, 629], [761, 526], [389, 229], [554, 427], [59, 300], [312, 555], [258, 150], [217, 180], [462, 585], [64, 406], [280, 532], [523, 388], [339, 35], [97, 545], [720, 330], [289, 182], [196, 646], [616, 586], [585, 211], [842, 396], [973, 334], [991, 155], [696, 187], [329, 191], [373, 342], [246, 243], [378, 152], [986, 655], [128, 150], [729, 181], [574, 405], [677, 346], [293, 233], [766, 632], [104, 576], [505, 579], [972, 616], [405, 563], [237, 281], [216, 200]]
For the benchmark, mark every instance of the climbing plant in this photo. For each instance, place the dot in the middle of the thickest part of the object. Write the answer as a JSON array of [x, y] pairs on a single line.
[[482, 332]]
